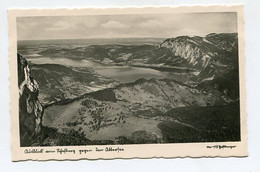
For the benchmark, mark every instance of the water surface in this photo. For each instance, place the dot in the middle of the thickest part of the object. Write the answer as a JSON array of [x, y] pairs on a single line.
[[123, 74]]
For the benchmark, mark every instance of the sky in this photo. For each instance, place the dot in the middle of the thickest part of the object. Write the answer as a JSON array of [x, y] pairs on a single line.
[[125, 26]]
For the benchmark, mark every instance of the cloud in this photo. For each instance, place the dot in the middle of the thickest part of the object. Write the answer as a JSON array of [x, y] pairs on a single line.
[[71, 23], [86, 22], [113, 24], [59, 25], [150, 24]]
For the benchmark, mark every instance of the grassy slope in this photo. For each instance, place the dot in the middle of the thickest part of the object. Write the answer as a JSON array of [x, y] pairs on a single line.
[[131, 111]]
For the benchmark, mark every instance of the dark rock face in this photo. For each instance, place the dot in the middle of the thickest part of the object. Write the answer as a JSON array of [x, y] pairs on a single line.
[[30, 109]]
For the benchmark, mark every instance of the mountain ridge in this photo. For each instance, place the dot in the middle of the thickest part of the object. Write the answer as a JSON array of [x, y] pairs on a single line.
[[139, 81]]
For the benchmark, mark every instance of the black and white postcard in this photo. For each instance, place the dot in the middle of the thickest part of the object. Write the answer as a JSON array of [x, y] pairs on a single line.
[[127, 83]]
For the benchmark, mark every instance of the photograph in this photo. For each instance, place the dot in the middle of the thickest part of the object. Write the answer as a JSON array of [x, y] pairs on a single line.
[[157, 78]]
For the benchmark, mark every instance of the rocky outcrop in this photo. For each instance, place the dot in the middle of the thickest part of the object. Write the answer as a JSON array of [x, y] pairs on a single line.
[[30, 109], [212, 56], [200, 52], [188, 49]]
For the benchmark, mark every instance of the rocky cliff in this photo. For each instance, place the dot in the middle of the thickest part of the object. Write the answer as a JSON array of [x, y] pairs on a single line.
[[200, 52], [30, 109]]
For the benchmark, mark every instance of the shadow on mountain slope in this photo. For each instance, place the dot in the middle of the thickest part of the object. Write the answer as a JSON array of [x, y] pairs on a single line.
[[202, 124]]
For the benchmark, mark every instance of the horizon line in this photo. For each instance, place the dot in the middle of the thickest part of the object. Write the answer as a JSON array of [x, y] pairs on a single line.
[[92, 38], [124, 37]]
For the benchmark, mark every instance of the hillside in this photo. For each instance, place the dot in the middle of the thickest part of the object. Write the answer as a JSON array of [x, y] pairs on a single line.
[[58, 82], [227, 83], [126, 110], [208, 124]]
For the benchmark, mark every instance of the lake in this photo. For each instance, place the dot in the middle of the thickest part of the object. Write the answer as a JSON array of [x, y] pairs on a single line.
[[124, 74]]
